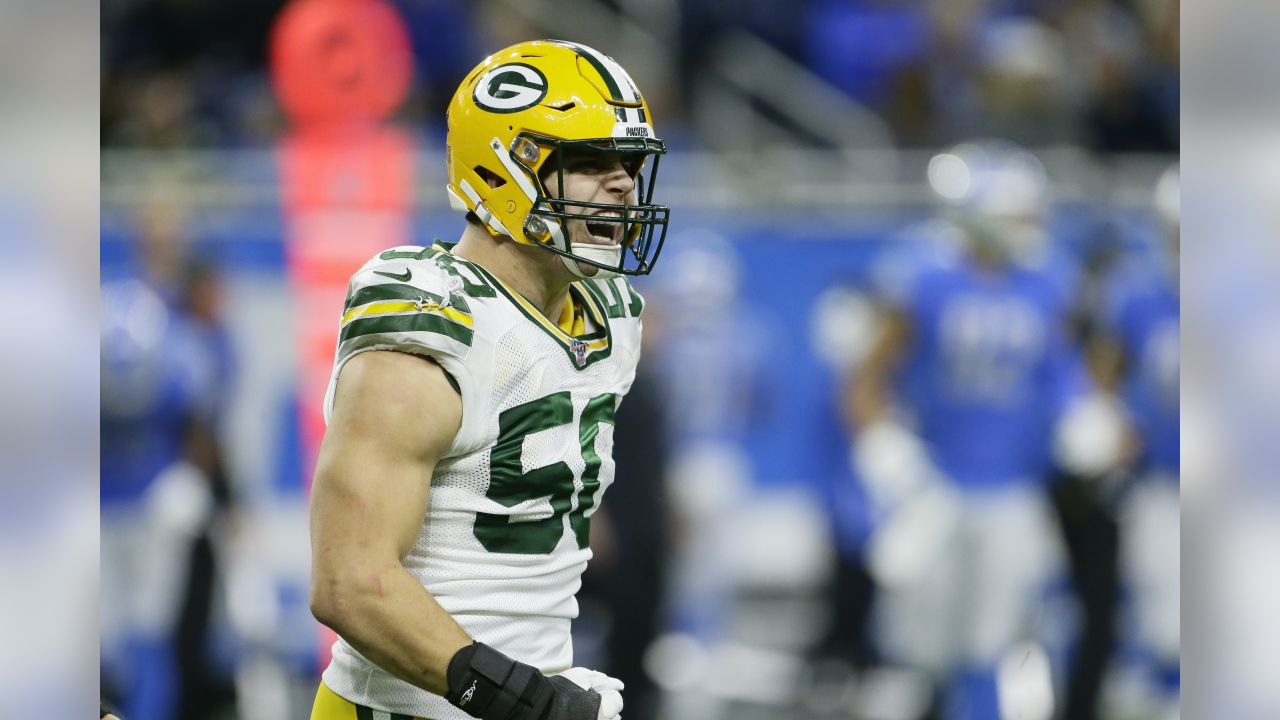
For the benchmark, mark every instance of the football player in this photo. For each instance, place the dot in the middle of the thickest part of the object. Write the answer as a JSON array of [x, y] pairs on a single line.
[[952, 410], [1141, 332], [470, 411]]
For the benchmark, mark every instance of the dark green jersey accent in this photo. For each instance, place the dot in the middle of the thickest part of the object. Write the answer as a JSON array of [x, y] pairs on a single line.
[[366, 713], [509, 485], [403, 276], [396, 291], [417, 322], [421, 254], [442, 253], [637, 302], [613, 302], [473, 286], [590, 298], [611, 296], [599, 410]]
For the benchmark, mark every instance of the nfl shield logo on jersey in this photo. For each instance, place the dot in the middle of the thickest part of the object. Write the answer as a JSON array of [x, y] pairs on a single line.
[[579, 351]]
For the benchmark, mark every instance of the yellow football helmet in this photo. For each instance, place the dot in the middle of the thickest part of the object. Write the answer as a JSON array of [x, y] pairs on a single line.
[[509, 122]]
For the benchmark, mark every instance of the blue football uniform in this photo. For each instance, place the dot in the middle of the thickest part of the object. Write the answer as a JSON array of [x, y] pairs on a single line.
[[988, 364], [159, 369]]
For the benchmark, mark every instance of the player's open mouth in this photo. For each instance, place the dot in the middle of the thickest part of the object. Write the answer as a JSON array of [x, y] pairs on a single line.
[[604, 233]]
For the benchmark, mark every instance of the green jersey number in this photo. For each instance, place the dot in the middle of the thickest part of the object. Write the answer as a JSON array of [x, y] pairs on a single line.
[[509, 485]]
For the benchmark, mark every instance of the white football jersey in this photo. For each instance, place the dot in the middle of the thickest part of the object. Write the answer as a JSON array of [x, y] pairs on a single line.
[[504, 541]]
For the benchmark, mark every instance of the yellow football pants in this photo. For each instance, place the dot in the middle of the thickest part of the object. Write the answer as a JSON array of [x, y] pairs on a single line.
[[331, 706]]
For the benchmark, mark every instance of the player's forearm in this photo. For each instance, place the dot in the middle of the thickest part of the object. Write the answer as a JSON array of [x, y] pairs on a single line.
[[392, 620], [869, 394], [865, 402]]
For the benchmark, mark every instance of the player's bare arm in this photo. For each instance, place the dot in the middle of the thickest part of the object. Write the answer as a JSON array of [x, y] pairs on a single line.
[[394, 416], [868, 391]]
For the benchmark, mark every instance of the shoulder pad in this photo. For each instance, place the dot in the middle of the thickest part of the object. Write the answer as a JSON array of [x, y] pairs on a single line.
[[419, 265], [406, 297]]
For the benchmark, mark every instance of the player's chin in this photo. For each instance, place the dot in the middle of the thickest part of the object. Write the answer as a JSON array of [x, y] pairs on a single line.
[[579, 246]]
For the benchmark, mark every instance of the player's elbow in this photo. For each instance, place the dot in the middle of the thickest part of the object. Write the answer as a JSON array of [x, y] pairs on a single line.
[[329, 601], [336, 596]]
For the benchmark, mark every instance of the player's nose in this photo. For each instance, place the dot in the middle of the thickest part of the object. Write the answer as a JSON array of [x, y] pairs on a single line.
[[618, 181]]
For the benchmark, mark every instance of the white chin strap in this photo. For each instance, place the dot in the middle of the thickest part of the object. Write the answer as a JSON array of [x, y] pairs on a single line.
[[603, 254]]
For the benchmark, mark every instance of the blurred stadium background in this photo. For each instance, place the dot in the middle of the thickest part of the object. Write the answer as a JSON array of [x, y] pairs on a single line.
[[732, 577]]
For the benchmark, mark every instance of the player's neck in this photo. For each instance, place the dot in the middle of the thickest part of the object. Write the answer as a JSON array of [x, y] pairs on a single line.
[[536, 274]]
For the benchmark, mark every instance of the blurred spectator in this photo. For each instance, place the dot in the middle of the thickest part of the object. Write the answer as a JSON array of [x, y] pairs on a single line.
[[844, 326], [1086, 477], [703, 22], [876, 51], [441, 59], [1140, 338], [204, 688], [1102, 72], [710, 356], [1129, 104], [178, 73], [1022, 90], [951, 411], [166, 368]]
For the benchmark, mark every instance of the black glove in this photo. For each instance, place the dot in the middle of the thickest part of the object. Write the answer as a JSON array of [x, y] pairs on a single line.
[[486, 684]]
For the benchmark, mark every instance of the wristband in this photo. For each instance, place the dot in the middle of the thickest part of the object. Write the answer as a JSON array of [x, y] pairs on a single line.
[[486, 684]]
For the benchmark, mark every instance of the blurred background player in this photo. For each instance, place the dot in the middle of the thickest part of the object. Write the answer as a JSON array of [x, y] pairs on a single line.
[[712, 351], [951, 411], [166, 369], [1139, 347]]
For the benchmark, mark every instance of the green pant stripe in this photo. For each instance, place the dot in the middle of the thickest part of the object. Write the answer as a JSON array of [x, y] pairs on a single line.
[[367, 713]]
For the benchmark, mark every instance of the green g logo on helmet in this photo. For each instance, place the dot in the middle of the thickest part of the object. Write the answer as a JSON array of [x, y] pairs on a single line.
[[511, 88]]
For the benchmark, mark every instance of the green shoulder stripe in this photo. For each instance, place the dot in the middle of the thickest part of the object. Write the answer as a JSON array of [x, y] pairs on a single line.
[[419, 322], [472, 282], [420, 254], [397, 291]]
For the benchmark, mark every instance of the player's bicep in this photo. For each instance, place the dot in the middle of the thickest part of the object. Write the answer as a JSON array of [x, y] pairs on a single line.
[[394, 416]]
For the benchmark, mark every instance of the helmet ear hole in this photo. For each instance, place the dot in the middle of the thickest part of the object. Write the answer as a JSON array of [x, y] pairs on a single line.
[[491, 178]]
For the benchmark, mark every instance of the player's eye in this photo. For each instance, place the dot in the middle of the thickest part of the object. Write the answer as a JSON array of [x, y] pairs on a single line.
[[591, 163], [633, 164]]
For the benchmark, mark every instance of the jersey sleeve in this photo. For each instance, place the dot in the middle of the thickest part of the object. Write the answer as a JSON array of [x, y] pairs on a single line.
[[405, 304]]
